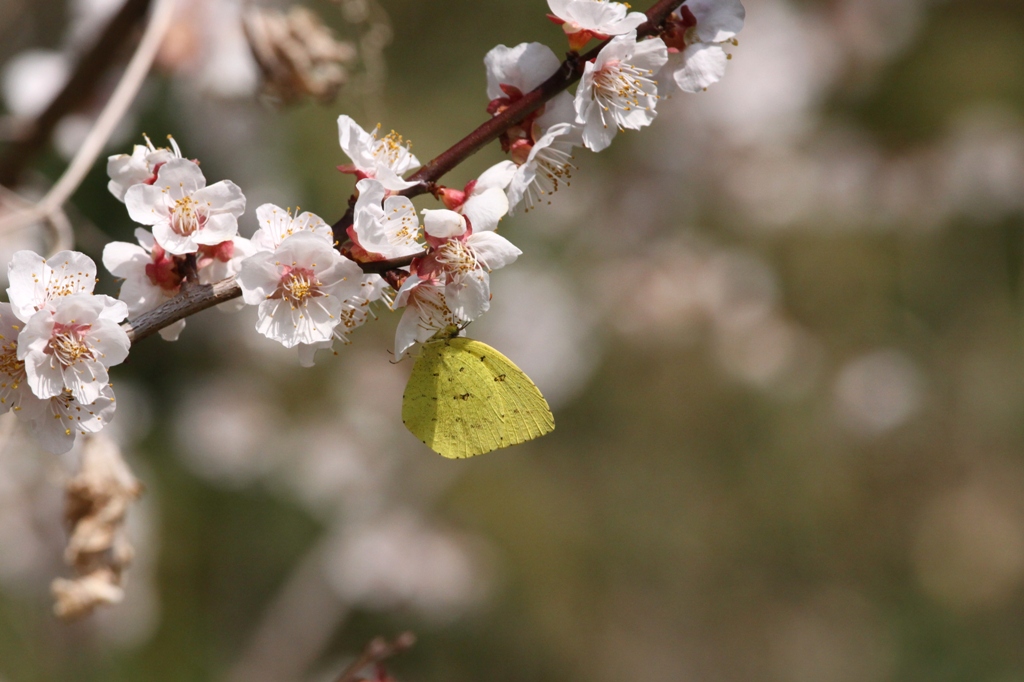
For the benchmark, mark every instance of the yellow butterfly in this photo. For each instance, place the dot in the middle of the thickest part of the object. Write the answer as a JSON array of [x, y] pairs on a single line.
[[464, 398]]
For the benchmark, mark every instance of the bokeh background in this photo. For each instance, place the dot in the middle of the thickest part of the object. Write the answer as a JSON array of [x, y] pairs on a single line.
[[782, 331]]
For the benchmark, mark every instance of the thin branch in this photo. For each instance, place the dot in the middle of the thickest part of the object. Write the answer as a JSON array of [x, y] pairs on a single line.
[[79, 88], [377, 651], [568, 73], [195, 298], [120, 101]]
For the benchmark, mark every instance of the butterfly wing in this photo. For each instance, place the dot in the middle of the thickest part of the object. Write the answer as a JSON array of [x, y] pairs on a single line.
[[526, 413], [450, 403]]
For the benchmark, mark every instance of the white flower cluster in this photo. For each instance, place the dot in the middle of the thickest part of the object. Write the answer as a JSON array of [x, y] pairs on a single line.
[[59, 338]]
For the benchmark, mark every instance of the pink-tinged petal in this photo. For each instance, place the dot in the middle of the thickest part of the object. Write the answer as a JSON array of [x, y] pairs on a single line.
[[173, 331], [583, 101], [704, 65], [717, 20], [342, 280], [110, 341], [596, 135], [219, 227], [650, 54], [122, 259], [469, 296], [307, 352], [524, 66], [304, 249], [141, 295], [407, 333], [259, 277], [126, 170], [443, 224], [147, 204], [485, 210], [180, 177], [492, 250], [222, 197], [113, 310], [44, 375], [392, 180], [498, 175], [560, 8], [290, 326], [172, 242], [619, 48], [86, 381], [27, 273], [559, 109], [354, 142], [145, 238], [405, 292]]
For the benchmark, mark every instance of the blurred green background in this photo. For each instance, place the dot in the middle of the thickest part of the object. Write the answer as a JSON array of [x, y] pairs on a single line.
[[781, 331]]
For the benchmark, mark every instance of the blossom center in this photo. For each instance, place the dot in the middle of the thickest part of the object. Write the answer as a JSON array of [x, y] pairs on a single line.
[[298, 285], [67, 343], [457, 258], [10, 365], [187, 216], [620, 86], [163, 270], [392, 147]]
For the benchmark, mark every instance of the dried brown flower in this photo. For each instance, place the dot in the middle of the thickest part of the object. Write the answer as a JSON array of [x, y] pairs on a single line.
[[97, 502], [297, 54]]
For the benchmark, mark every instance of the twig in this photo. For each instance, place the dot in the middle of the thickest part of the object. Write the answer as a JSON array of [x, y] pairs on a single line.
[[193, 298], [568, 73], [80, 86], [377, 651], [122, 98]]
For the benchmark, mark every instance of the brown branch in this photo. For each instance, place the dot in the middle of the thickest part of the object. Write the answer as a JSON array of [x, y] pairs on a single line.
[[568, 73], [377, 651], [192, 299], [80, 87], [195, 298]]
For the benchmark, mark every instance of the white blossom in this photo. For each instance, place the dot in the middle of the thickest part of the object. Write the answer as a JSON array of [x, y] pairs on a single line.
[[695, 37], [544, 167], [151, 276], [483, 202], [300, 289], [71, 343], [37, 281], [426, 312], [618, 90], [276, 224], [384, 228], [183, 211], [585, 19], [14, 389], [141, 166], [54, 422], [386, 159], [450, 286], [355, 310]]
